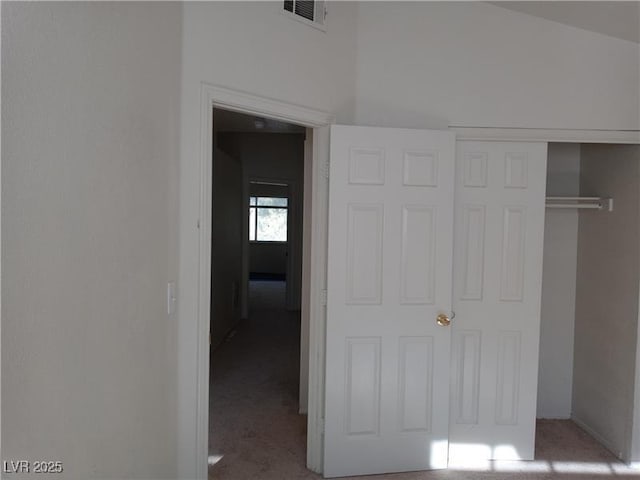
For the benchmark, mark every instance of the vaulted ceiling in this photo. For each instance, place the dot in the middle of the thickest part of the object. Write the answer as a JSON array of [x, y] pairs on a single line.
[[614, 18]]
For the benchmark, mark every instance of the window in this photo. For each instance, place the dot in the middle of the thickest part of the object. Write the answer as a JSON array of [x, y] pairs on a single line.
[[268, 219]]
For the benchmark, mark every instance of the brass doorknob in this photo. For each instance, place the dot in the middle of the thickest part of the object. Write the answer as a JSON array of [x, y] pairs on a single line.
[[443, 320]]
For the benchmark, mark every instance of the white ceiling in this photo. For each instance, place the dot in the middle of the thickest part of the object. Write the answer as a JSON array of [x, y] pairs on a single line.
[[228, 121], [615, 19]]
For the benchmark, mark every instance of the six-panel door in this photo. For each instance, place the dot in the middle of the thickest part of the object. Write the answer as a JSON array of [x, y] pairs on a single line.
[[389, 276]]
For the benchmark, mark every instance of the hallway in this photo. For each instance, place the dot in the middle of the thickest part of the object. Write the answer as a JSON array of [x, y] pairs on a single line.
[[254, 422], [256, 432]]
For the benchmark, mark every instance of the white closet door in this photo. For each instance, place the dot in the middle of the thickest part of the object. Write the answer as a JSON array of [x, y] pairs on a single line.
[[499, 230], [389, 277]]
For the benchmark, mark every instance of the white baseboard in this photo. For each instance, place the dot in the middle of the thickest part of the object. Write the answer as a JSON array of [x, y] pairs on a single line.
[[553, 416], [601, 439]]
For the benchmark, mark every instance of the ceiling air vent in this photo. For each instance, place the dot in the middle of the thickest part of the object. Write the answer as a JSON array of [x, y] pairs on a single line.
[[311, 12]]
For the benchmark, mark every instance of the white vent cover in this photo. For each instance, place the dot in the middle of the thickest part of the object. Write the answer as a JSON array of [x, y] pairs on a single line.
[[311, 12]]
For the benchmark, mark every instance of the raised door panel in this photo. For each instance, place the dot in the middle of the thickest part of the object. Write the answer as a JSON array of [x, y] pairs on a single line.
[[472, 261], [364, 257], [362, 399], [415, 379], [514, 233], [418, 270], [467, 377]]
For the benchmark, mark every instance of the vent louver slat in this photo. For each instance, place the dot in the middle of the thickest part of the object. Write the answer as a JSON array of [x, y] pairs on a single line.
[[305, 9], [288, 5]]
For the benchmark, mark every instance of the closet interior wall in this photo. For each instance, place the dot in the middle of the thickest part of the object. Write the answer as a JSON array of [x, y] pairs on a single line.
[[608, 280], [588, 367], [555, 373]]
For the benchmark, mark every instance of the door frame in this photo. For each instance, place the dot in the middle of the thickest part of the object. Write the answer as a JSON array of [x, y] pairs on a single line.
[[213, 96]]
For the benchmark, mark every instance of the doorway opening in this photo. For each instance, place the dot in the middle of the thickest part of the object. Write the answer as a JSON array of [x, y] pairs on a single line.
[[257, 390]]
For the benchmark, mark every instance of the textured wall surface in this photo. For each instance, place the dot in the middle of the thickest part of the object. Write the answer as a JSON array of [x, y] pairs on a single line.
[[226, 245], [90, 105], [101, 102], [557, 313], [607, 296], [422, 64]]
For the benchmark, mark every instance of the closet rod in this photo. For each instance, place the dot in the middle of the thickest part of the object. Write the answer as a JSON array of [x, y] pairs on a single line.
[[586, 203], [585, 206], [575, 199]]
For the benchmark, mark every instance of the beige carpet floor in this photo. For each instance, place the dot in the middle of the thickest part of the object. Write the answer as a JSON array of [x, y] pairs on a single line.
[[256, 432]]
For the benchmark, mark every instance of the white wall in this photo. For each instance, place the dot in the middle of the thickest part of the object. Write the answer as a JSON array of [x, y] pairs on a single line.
[[89, 180], [226, 241], [606, 323], [433, 64], [555, 371], [90, 110]]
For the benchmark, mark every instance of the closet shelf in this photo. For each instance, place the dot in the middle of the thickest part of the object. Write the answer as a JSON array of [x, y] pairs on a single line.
[[585, 203]]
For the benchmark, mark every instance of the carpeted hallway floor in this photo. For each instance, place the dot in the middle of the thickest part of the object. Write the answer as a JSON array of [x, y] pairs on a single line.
[[257, 434]]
